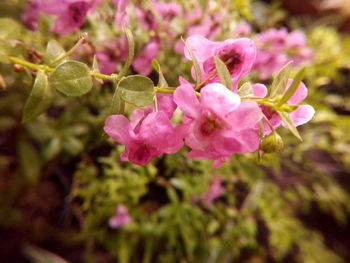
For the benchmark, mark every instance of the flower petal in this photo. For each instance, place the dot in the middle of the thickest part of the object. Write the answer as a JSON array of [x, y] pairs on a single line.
[[218, 99], [118, 127], [186, 100]]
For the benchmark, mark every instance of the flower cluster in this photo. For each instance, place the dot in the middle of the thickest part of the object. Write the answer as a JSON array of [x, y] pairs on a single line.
[[217, 122], [276, 47], [70, 14]]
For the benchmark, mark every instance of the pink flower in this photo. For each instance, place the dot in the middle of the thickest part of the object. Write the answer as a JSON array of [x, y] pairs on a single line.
[[142, 63], [110, 53], [120, 218], [276, 47], [218, 124], [301, 115], [121, 16], [243, 29], [214, 192], [70, 13], [238, 55], [30, 16], [148, 135]]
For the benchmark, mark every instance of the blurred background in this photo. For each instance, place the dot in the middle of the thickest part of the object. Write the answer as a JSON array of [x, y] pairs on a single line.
[[61, 180]]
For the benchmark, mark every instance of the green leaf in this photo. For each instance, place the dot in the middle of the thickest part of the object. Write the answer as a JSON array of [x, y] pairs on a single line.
[[161, 81], [289, 122], [9, 29], [246, 90], [96, 69], [54, 50], [203, 5], [4, 51], [40, 98], [224, 74], [29, 160], [72, 78], [39, 255], [117, 104], [195, 63], [137, 90], [293, 87], [131, 52], [279, 83]]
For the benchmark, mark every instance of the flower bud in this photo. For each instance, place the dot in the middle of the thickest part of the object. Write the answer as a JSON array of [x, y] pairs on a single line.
[[272, 143]]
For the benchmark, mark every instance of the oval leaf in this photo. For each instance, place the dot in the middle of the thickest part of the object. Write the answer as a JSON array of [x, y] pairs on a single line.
[[72, 78], [40, 99], [137, 90], [54, 50]]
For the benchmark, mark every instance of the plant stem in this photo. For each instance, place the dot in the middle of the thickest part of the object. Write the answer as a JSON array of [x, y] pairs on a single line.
[[205, 80], [170, 90], [46, 68], [30, 65], [71, 51], [103, 76]]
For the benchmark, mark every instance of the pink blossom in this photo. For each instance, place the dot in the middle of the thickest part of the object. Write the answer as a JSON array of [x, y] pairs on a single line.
[[142, 63], [215, 190], [70, 13], [120, 218], [121, 16], [200, 23], [238, 55], [148, 135], [276, 47], [301, 115], [243, 29], [30, 16], [110, 53], [218, 124]]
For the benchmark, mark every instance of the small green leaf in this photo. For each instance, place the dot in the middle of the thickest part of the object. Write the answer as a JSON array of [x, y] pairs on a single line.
[[40, 99], [9, 29], [4, 51], [96, 69], [279, 83], [246, 90], [195, 63], [137, 90], [131, 52], [161, 81], [289, 122], [72, 78], [293, 87], [54, 50], [224, 74], [117, 104]]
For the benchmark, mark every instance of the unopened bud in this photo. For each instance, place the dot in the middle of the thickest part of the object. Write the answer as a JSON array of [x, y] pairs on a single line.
[[272, 143]]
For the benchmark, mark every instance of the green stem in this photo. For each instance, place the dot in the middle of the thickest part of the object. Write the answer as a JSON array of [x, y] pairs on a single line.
[[205, 80], [71, 51], [46, 68], [30, 65], [170, 90], [112, 77], [259, 101]]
